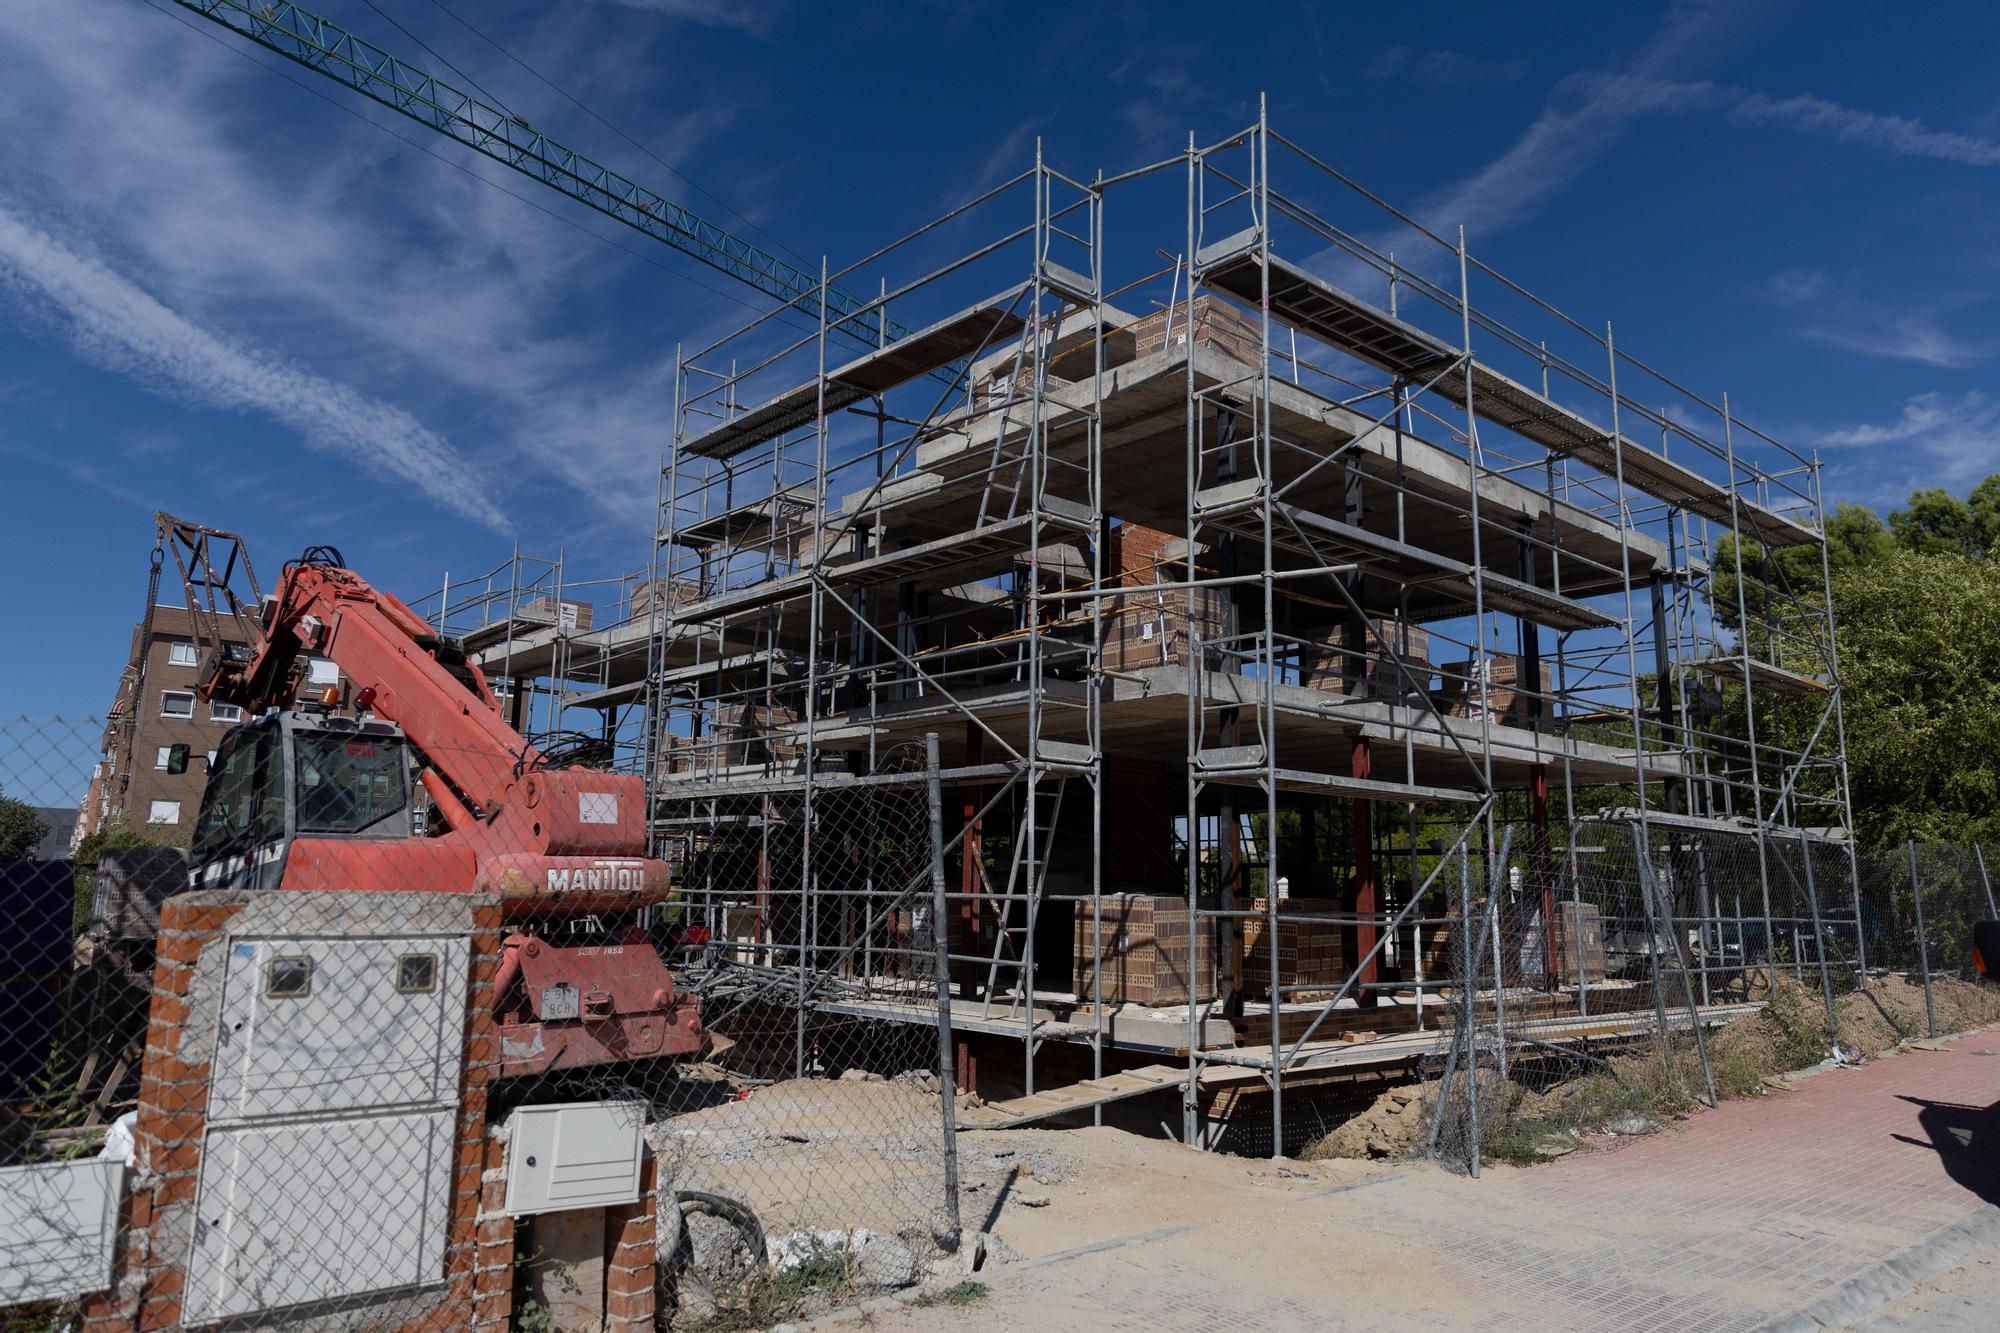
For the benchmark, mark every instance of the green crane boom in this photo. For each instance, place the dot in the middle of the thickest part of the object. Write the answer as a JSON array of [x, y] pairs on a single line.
[[326, 48]]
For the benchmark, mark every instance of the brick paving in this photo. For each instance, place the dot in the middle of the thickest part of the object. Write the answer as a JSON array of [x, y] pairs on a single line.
[[1738, 1216]]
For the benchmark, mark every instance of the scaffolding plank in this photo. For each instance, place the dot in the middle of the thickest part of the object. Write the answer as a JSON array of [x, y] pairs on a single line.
[[1763, 674], [909, 357], [1073, 1097], [993, 545], [1234, 508], [790, 409], [1227, 768], [1509, 403], [750, 521], [1314, 305]]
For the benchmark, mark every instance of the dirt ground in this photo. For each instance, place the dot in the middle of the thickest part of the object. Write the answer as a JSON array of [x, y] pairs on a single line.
[[1745, 1056]]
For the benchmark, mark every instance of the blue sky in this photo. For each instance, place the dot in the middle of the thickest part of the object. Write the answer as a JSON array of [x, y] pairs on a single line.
[[225, 296]]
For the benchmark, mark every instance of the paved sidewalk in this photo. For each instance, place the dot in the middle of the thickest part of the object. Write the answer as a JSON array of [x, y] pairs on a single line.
[[1738, 1217]]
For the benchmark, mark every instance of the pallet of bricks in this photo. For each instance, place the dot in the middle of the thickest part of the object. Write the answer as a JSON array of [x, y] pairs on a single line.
[[1579, 942], [1310, 953], [666, 594], [1074, 356], [1511, 700], [1152, 629], [1149, 951], [1326, 662]]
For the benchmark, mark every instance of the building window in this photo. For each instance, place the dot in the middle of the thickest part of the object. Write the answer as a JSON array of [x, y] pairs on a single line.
[[180, 654], [164, 812], [161, 755], [224, 713], [176, 703]]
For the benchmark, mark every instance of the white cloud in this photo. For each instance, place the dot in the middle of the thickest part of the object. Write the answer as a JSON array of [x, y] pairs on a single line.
[[112, 321], [1925, 415], [751, 16], [1794, 286], [246, 205], [1443, 69], [1897, 135], [1912, 337], [1959, 436]]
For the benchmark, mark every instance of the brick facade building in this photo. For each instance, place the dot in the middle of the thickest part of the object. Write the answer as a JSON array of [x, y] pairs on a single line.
[[157, 708]]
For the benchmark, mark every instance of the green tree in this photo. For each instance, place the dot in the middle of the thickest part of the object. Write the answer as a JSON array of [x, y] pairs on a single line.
[[21, 829], [1919, 638], [1938, 523]]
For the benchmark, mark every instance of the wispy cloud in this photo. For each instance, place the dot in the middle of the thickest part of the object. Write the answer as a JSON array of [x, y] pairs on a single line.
[[1582, 120], [1443, 69], [756, 17], [1794, 286], [378, 267], [1909, 337], [1958, 436], [1899, 136], [112, 321]]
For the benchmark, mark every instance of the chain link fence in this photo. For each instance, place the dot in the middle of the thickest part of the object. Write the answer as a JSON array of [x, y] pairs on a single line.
[[436, 1080], [1635, 968]]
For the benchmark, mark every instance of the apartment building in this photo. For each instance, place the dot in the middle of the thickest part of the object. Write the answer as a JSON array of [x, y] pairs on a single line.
[[157, 708]]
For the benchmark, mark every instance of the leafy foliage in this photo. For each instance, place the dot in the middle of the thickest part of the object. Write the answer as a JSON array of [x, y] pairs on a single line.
[[21, 829], [1916, 603]]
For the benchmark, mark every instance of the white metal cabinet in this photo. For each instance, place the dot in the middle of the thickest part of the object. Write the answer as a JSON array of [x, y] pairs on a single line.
[[58, 1224], [574, 1155], [333, 1098], [291, 1213], [352, 1041]]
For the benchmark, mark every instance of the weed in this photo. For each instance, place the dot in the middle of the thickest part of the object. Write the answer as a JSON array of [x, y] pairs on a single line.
[[963, 1293]]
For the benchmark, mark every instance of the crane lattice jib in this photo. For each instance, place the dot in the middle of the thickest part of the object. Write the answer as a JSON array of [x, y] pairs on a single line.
[[327, 48]]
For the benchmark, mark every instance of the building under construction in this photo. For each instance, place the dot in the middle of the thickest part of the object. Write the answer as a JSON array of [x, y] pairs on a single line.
[[1291, 596]]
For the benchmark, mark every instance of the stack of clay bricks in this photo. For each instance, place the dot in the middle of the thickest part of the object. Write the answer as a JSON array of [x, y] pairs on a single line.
[[1511, 702], [548, 611], [1326, 663], [1579, 942], [750, 733], [666, 594], [1208, 319], [1151, 629], [1310, 953], [1148, 951]]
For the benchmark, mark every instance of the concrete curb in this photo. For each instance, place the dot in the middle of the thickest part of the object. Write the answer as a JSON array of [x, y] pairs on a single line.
[[1893, 1279]]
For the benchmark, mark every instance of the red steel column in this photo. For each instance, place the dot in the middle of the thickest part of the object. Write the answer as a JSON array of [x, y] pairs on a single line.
[[1364, 879]]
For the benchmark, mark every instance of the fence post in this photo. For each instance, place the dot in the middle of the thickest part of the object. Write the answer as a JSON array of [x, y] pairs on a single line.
[[941, 952], [1923, 945], [1984, 881], [1819, 942]]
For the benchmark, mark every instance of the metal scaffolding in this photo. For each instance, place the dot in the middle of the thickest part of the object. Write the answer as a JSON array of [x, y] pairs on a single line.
[[1283, 615]]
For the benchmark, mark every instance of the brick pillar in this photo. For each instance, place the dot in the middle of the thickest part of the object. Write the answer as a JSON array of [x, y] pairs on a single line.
[[148, 1278], [158, 1215], [493, 1269], [479, 1263], [630, 1255]]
